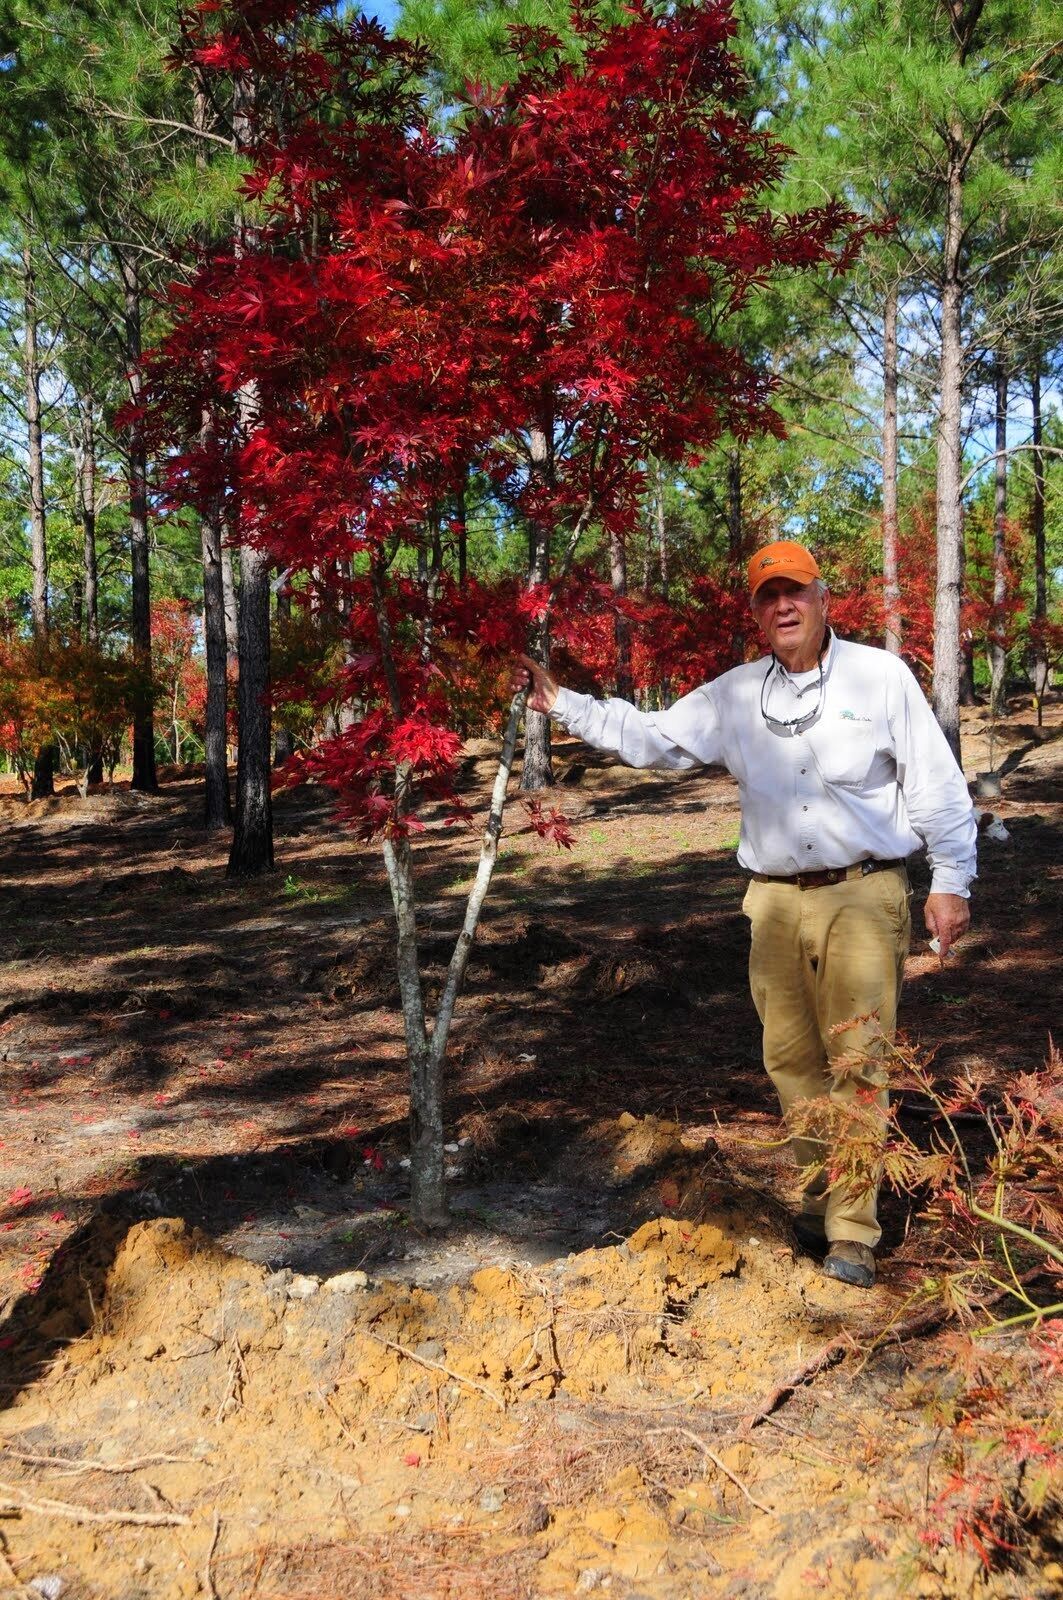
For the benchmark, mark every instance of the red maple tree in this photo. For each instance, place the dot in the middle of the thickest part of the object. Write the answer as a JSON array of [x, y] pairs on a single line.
[[537, 296]]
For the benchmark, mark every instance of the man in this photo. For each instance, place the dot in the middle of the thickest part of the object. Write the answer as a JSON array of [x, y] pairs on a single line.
[[843, 773]]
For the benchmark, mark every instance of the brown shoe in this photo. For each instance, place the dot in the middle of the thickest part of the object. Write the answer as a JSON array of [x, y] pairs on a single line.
[[850, 1262]]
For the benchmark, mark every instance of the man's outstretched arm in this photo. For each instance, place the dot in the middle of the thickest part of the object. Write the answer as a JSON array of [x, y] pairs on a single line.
[[686, 735]]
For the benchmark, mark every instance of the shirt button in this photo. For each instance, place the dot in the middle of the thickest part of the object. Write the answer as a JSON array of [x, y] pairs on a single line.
[[804, 770], [804, 808], [808, 847]]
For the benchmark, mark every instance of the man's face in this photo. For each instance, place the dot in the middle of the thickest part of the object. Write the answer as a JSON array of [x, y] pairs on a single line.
[[792, 616]]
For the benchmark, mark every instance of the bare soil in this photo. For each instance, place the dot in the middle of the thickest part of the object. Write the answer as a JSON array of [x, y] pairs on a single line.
[[233, 1365]]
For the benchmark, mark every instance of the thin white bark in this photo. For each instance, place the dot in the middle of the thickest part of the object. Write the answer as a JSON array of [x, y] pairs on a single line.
[[428, 1201], [946, 682], [997, 653], [34, 452], [891, 586]]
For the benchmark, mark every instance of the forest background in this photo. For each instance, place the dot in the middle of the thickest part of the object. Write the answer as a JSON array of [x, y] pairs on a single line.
[[919, 452]]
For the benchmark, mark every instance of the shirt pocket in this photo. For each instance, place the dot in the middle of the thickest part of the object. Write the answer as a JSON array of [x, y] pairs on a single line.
[[845, 754]]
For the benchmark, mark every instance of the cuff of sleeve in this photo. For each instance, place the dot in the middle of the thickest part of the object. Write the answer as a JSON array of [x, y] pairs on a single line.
[[950, 880], [566, 707]]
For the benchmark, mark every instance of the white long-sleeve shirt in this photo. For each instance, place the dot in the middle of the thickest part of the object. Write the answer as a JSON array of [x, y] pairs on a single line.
[[871, 778]]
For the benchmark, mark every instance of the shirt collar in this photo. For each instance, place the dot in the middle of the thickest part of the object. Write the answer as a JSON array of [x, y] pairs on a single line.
[[801, 682]]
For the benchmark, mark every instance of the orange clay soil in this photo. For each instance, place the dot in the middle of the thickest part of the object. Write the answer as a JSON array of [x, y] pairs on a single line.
[[590, 1426]]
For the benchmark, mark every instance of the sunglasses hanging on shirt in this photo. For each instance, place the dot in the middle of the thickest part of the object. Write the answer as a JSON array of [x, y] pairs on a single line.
[[795, 725]]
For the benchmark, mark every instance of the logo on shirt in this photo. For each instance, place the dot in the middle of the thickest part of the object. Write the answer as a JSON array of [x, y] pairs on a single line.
[[852, 716]]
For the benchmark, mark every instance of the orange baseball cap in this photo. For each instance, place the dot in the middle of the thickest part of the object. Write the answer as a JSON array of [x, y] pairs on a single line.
[[784, 559]]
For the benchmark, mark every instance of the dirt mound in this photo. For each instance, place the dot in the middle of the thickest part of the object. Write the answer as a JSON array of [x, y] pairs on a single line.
[[582, 1427]]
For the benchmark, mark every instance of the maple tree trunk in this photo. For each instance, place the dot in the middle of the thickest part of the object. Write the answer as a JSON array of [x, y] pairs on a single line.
[[537, 771], [427, 1054], [997, 653], [1037, 530], [621, 624], [891, 586], [428, 1199], [946, 681], [217, 810], [252, 846], [662, 531], [144, 776]]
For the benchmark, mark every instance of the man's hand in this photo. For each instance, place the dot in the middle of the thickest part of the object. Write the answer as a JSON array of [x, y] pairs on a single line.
[[542, 688], [947, 916]]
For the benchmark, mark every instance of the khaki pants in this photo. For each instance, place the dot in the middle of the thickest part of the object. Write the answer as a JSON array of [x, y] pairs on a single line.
[[820, 957]]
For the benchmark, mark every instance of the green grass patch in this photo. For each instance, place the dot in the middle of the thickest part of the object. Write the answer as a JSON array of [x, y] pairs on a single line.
[[311, 894]]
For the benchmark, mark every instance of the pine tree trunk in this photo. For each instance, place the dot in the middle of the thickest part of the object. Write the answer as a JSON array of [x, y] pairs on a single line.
[[252, 846], [946, 682], [86, 470], [735, 532], [537, 771], [217, 810], [43, 784], [144, 776], [621, 625], [230, 608], [734, 507], [35, 454], [997, 653], [1037, 530], [662, 530], [284, 741], [891, 586], [86, 478]]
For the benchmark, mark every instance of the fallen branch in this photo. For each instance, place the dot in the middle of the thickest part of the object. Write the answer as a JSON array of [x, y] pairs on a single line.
[[74, 1466], [717, 1463], [63, 1508], [829, 1356], [208, 1575], [436, 1366]]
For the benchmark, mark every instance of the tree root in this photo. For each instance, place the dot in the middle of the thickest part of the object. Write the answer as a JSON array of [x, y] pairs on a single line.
[[12, 1499]]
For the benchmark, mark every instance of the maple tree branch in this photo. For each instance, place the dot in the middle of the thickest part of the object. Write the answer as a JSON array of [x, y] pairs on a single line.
[[459, 960]]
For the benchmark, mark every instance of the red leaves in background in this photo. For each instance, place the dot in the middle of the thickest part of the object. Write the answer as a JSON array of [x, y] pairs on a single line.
[[408, 311]]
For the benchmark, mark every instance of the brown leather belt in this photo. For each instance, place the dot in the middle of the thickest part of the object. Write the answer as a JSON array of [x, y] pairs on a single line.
[[818, 880]]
